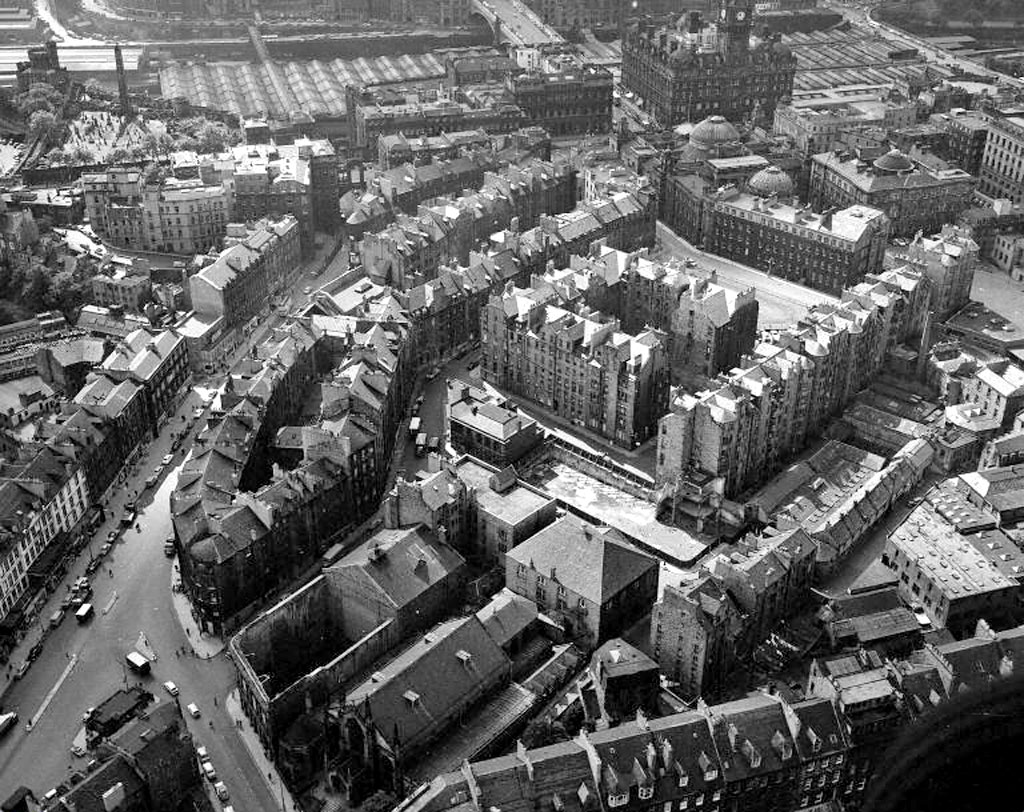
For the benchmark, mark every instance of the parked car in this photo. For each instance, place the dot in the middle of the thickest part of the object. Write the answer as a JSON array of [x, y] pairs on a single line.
[[65, 602], [193, 710], [171, 688], [168, 459], [22, 669], [112, 536], [152, 479], [221, 790], [208, 771], [202, 754], [34, 652], [93, 565], [105, 549]]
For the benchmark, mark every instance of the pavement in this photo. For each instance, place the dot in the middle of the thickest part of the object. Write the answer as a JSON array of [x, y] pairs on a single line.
[[251, 740], [203, 645]]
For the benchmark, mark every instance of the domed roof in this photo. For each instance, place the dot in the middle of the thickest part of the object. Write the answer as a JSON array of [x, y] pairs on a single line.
[[893, 161], [771, 181], [713, 131]]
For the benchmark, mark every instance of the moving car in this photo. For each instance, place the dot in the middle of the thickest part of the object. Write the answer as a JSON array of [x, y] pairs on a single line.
[[171, 688], [56, 618], [208, 770], [193, 710]]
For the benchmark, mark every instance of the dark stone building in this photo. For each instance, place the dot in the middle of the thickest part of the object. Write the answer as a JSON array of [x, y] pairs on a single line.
[[567, 102], [678, 80]]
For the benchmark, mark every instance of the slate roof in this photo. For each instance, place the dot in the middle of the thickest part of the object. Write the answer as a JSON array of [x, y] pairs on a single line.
[[441, 672], [401, 564], [594, 562]]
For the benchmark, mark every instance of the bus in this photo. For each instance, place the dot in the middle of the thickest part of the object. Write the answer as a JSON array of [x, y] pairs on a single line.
[[84, 612], [137, 663]]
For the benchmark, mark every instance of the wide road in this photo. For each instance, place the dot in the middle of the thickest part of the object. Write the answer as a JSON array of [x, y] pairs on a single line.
[[134, 599], [782, 302]]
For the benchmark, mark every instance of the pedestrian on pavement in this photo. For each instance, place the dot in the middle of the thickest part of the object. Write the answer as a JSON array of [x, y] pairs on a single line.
[[215, 702]]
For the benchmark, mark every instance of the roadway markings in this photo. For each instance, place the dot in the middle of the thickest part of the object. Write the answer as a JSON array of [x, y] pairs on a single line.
[[53, 691], [110, 603]]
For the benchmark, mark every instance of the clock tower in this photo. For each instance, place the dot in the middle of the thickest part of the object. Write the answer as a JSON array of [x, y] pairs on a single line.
[[734, 18]]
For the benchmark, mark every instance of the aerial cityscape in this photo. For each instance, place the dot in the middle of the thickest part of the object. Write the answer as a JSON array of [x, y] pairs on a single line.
[[510, 405]]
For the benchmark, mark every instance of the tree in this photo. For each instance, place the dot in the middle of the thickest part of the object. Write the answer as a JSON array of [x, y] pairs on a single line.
[[380, 801], [157, 145], [542, 732], [80, 156], [41, 124]]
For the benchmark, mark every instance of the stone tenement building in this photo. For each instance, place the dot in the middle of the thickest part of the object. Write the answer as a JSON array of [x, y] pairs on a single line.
[[749, 423], [827, 252], [708, 327], [1002, 166], [948, 260], [330, 475], [256, 263], [914, 197], [567, 102], [409, 251], [679, 79], [151, 214], [704, 625], [578, 365]]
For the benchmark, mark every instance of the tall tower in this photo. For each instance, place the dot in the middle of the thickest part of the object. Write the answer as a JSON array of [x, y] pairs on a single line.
[[122, 82], [734, 24]]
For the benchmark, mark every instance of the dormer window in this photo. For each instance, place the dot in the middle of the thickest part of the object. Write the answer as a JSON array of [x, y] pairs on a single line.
[[618, 800], [646, 793]]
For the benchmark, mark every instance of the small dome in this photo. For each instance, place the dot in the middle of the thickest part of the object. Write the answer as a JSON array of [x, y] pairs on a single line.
[[893, 161], [771, 181], [713, 131]]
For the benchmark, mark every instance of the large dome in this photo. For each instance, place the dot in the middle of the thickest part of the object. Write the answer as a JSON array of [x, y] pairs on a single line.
[[771, 181], [712, 132], [893, 161]]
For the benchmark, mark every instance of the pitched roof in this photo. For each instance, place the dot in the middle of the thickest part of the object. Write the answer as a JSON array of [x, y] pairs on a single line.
[[594, 562]]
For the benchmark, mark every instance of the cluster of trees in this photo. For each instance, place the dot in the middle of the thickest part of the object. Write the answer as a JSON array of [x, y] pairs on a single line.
[[938, 13], [34, 285]]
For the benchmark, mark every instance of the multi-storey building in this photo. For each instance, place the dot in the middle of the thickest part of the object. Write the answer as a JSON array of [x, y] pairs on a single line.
[[117, 288], [948, 260], [566, 102], [43, 500], [590, 579], [997, 390], [814, 125], [915, 197], [680, 79], [693, 629], [759, 753], [488, 427], [376, 112], [957, 566], [396, 148], [827, 252], [257, 262], [411, 250], [580, 366], [1002, 167], [745, 426], [158, 362], [967, 137], [151, 214]]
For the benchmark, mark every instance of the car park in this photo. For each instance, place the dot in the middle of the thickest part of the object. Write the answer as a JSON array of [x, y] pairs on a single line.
[[193, 710], [208, 771], [171, 688]]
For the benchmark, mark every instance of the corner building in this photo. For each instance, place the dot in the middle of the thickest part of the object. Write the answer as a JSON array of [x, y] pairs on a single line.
[[697, 69]]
